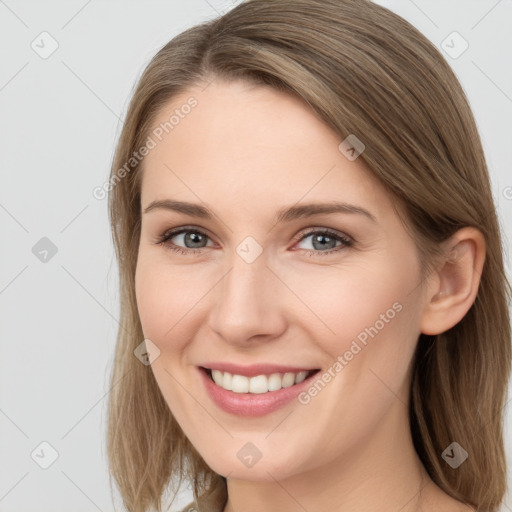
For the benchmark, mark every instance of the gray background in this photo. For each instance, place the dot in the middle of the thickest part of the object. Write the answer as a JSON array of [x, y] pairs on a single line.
[[60, 118]]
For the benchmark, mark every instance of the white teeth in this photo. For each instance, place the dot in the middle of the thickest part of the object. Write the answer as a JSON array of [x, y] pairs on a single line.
[[300, 377], [274, 382], [257, 384], [288, 380], [228, 381]]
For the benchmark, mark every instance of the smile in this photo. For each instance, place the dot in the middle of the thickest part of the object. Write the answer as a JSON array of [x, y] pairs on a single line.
[[255, 395], [259, 383]]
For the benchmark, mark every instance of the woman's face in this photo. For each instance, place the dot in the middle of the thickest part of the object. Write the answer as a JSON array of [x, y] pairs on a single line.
[[337, 291]]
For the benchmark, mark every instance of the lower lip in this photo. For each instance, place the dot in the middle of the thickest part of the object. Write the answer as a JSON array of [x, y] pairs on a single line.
[[252, 404]]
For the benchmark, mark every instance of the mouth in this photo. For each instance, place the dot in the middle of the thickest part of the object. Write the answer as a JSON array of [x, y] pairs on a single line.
[[257, 384]]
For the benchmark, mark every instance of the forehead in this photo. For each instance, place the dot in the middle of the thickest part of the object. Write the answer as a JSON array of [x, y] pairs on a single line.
[[243, 144]]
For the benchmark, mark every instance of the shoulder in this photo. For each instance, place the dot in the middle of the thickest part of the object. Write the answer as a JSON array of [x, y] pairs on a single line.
[[435, 500]]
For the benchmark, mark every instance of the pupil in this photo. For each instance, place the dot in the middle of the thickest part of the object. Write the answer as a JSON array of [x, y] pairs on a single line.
[[322, 245], [194, 238]]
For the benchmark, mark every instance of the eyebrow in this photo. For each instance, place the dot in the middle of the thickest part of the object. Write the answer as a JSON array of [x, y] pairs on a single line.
[[286, 214]]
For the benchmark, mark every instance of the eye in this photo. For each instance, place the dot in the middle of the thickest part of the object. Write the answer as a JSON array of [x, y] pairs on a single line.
[[323, 241], [189, 240], [192, 238]]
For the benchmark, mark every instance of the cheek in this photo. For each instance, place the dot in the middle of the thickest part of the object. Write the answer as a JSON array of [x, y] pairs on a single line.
[[340, 303], [157, 296], [161, 303], [364, 320], [168, 300]]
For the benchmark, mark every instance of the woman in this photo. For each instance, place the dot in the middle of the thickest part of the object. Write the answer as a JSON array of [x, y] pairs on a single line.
[[313, 300]]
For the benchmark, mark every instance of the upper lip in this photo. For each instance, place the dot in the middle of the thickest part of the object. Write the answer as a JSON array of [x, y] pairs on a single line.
[[255, 369]]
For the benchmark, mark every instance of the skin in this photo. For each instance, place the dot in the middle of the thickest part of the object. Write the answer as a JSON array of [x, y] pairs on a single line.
[[247, 152]]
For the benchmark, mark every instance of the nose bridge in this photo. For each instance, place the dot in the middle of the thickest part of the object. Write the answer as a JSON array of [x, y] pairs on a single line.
[[246, 303], [244, 286]]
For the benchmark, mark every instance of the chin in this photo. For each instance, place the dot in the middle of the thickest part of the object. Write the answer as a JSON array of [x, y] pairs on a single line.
[[266, 469]]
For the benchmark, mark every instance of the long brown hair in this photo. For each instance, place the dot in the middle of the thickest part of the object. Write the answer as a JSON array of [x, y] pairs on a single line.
[[364, 71]]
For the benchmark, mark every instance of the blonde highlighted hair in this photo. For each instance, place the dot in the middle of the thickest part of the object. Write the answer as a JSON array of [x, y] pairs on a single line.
[[366, 71]]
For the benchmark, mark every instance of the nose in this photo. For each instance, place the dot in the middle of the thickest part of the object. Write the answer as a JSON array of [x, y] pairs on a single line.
[[247, 303]]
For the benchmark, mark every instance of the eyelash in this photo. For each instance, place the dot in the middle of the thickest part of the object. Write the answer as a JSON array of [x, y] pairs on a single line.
[[346, 241]]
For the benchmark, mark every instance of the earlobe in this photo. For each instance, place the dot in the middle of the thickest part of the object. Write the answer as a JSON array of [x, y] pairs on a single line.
[[455, 284]]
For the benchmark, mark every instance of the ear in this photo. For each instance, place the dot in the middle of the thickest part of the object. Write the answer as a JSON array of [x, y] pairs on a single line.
[[452, 289]]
